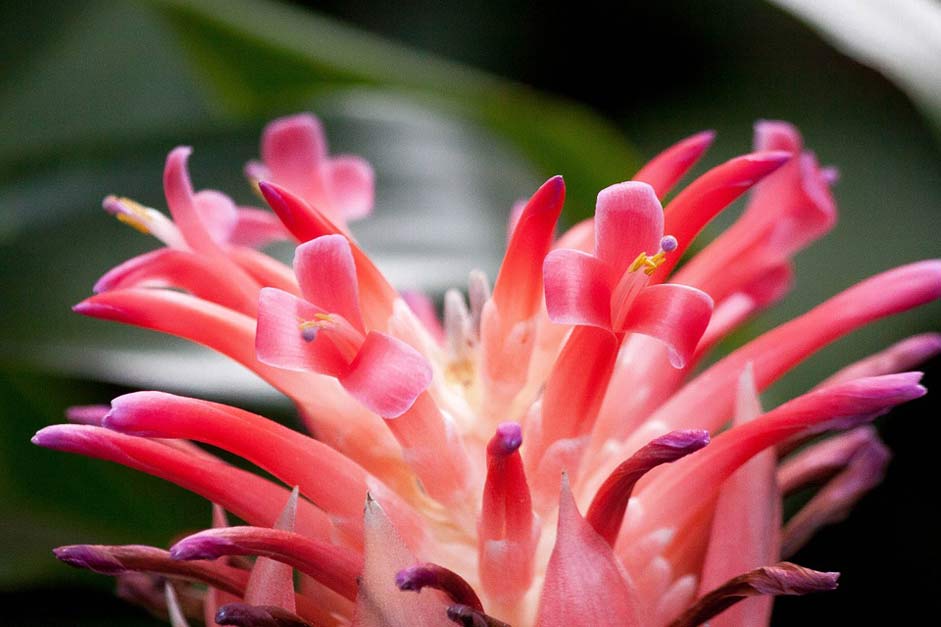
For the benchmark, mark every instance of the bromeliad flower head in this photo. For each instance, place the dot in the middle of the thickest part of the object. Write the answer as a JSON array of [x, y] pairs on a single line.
[[546, 454]]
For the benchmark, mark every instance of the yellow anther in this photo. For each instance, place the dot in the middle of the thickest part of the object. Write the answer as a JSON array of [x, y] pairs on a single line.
[[320, 321], [136, 217], [649, 264]]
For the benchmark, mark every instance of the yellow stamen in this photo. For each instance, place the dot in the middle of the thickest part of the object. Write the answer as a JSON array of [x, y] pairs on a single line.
[[649, 264], [137, 219], [320, 321]]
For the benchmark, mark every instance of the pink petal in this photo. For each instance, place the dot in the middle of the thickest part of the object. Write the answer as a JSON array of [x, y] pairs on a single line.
[[379, 603], [218, 214], [628, 221], [279, 339], [517, 291], [703, 199], [676, 315], [305, 223], [666, 169], [424, 309], [901, 356], [350, 184], [256, 228], [183, 205], [746, 524], [387, 375], [198, 274], [577, 289], [272, 582], [246, 495], [327, 276], [293, 148], [267, 271], [584, 585], [335, 567]]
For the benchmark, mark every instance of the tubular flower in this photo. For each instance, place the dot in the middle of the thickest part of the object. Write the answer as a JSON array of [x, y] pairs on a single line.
[[544, 455]]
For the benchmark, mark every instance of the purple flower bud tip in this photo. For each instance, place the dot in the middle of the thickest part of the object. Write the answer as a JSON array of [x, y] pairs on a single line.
[[54, 437], [86, 414], [199, 547], [509, 438], [309, 334], [414, 578], [95, 310], [685, 441], [89, 558], [668, 244]]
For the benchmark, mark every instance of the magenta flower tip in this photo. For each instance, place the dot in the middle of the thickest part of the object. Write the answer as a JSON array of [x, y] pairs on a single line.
[[684, 441], [245, 615], [200, 547], [508, 439], [89, 558], [415, 578]]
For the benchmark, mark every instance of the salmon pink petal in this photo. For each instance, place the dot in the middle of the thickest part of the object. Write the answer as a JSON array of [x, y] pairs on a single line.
[[258, 501], [335, 567], [628, 221], [350, 184], [327, 276], [305, 223], [577, 289], [282, 341], [256, 228], [379, 603], [424, 309], [823, 459], [584, 585], [703, 199], [267, 271], [666, 169], [676, 315], [197, 274], [272, 582], [746, 523], [218, 214], [901, 356], [517, 291], [387, 375], [293, 148], [182, 203]]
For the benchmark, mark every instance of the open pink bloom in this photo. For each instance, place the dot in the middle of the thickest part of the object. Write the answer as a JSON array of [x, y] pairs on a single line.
[[544, 455]]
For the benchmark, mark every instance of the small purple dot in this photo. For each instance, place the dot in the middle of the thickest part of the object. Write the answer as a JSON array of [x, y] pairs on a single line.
[[309, 334], [668, 244]]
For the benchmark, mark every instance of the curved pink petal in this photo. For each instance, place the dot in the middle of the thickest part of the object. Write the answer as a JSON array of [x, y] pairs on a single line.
[[267, 271], [703, 199], [197, 274], [293, 148], [584, 585], [628, 221], [577, 289], [379, 602], [281, 341], [350, 184], [327, 275], [376, 295], [667, 168], [517, 291], [387, 375], [676, 315], [218, 213], [181, 200], [245, 494], [746, 525], [256, 228]]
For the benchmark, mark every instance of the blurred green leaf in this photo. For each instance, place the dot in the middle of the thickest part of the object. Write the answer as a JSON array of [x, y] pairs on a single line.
[[262, 56]]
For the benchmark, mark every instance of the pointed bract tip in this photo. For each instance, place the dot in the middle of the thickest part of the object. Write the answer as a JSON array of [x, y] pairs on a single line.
[[682, 442], [790, 579], [97, 310], [87, 414], [90, 558], [507, 439]]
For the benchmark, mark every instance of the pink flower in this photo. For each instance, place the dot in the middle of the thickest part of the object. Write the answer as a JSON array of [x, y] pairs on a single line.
[[545, 456]]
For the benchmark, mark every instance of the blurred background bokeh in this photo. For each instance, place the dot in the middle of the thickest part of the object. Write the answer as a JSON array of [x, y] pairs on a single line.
[[462, 107]]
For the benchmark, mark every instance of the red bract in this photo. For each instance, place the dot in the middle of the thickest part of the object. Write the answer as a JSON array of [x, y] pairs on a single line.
[[543, 455]]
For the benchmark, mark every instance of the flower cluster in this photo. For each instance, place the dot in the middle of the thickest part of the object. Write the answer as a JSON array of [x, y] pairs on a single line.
[[545, 454]]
